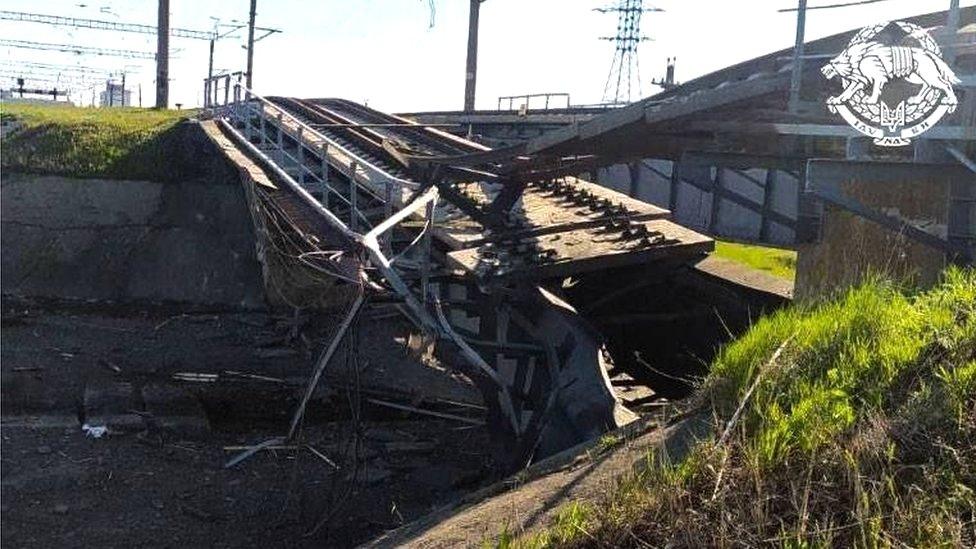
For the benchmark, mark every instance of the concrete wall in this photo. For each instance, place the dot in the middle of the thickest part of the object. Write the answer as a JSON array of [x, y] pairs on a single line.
[[128, 241], [852, 247], [694, 208]]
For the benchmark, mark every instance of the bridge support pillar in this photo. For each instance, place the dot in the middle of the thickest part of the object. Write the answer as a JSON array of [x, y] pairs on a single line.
[[906, 221]]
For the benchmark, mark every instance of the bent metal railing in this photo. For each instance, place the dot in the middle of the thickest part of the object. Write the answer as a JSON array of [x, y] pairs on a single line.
[[261, 127]]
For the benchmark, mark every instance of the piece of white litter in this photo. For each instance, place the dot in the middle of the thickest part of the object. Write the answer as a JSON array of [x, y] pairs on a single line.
[[95, 431]]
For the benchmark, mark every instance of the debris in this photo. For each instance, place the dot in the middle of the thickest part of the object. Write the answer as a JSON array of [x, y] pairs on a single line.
[[322, 456], [27, 368], [94, 431], [44, 449], [272, 447], [419, 345], [255, 377], [324, 361], [421, 411], [253, 450], [61, 509], [195, 376], [109, 365]]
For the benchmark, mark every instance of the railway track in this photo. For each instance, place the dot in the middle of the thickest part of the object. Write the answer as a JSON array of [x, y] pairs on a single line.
[[419, 137]]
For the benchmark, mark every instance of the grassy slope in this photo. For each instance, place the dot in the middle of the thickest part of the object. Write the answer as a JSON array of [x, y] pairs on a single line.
[[775, 261], [861, 432], [88, 142]]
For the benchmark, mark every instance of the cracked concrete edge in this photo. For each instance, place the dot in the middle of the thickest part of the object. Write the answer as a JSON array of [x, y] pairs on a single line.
[[249, 170], [746, 276], [678, 437]]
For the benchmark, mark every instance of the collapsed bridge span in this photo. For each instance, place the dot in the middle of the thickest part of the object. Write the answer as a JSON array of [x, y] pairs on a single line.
[[476, 245]]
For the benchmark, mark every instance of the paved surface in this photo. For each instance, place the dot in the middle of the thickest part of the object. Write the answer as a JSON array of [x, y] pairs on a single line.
[[746, 276]]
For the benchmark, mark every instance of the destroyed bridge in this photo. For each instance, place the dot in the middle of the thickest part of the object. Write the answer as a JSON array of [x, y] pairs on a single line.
[[507, 259]]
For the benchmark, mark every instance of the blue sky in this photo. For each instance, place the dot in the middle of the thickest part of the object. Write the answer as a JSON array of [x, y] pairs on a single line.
[[383, 51]]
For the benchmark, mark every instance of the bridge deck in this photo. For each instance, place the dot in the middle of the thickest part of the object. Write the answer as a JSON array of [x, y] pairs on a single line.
[[576, 225]]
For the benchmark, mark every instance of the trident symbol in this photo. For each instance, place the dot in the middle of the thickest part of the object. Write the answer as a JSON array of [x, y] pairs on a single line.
[[893, 119]]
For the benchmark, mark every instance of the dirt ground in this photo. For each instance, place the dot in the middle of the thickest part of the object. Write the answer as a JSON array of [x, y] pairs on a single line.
[[589, 473], [176, 390]]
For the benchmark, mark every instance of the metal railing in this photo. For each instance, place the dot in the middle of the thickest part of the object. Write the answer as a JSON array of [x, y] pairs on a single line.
[[524, 103], [314, 157], [528, 100], [250, 116]]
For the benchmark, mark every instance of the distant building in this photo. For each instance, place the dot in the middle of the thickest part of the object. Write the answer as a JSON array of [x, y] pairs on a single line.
[[115, 95]]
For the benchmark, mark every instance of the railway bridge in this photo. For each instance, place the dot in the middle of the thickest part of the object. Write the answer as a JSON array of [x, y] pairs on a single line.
[[507, 259]]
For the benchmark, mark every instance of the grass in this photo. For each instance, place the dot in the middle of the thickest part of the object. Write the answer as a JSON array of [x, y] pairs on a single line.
[[125, 143], [860, 431], [775, 261]]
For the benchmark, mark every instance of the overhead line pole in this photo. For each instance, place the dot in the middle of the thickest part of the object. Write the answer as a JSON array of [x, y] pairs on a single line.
[[162, 56], [797, 76], [952, 24], [471, 69], [249, 77]]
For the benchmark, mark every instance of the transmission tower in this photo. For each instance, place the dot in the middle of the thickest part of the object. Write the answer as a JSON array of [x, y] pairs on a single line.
[[625, 67]]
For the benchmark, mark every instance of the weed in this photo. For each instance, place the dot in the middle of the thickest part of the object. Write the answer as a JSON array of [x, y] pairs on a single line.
[[87, 142], [864, 434], [775, 261]]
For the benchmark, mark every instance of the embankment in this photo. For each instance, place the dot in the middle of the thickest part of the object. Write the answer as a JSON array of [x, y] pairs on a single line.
[[183, 235]]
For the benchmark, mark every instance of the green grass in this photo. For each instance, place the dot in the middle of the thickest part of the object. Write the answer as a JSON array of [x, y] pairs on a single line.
[[124, 143], [862, 432], [775, 261]]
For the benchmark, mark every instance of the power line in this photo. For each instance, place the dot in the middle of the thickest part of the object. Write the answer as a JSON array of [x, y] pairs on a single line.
[[57, 76], [162, 55], [45, 74], [830, 6], [69, 48], [31, 78], [100, 25], [48, 66]]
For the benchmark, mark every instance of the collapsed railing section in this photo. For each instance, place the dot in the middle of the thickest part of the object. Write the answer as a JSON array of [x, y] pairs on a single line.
[[308, 163]]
